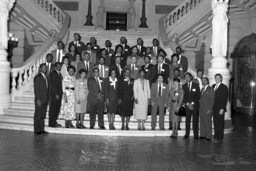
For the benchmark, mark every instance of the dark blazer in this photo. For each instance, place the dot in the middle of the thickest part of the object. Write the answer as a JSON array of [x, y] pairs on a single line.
[[165, 72], [134, 75], [149, 72], [221, 98], [110, 57], [55, 84], [152, 50], [193, 95], [184, 63], [110, 92], [119, 73], [41, 88], [81, 65], [80, 48], [95, 93], [206, 100], [126, 50], [142, 50]]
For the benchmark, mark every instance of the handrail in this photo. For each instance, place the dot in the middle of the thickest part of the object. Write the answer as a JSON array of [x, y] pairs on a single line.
[[179, 12], [25, 73]]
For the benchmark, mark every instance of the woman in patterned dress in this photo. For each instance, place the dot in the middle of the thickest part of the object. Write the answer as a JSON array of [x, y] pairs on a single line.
[[68, 105], [111, 95], [81, 92]]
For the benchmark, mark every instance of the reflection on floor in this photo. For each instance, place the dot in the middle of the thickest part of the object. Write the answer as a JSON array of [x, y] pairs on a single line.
[[24, 151]]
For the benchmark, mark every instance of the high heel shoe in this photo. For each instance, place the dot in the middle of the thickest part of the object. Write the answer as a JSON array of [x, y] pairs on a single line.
[[71, 125], [67, 124], [78, 126]]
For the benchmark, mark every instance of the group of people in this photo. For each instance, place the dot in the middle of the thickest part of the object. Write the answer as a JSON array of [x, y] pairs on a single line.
[[126, 81]]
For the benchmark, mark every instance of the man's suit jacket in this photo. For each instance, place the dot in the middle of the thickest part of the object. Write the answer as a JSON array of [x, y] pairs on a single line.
[[142, 51], [134, 75], [165, 72], [80, 47], [41, 88], [49, 70], [81, 65], [221, 98], [206, 100], [163, 100], [110, 57], [184, 63], [153, 52], [126, 50], [149, 72], [93, 56], [106, 70], [96, 48], [55, 84], [55, 55], [115, 67], [95, 93], [193, 95]]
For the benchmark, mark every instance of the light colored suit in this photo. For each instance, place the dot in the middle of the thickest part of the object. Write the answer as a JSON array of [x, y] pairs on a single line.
[[105, 73], [206, 103], [142, 94], [158, 102], [55, 55]]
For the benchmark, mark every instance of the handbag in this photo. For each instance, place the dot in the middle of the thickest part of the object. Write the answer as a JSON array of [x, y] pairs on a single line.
[[181, 112]]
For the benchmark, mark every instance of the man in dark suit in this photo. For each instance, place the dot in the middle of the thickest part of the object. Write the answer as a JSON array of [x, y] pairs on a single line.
[[148, 67], [41, 91], [155, 48], [103, 69], [117, 66], [94, 44], [140, 47], [126, 49], [110, 53], [191, 100], [96, 99], [183, 61], [55, 95], [85, 64], [49, 64], [92, 52], [205, 110], [80, 46], [161, 68], [59, 53], [134, 68], [159, 100], [219, 107]]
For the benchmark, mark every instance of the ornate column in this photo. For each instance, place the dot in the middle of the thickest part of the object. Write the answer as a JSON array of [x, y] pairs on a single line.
[[89, 14], [101, 15], [131, 17], [5, 7], [143, 18], [219, 48]]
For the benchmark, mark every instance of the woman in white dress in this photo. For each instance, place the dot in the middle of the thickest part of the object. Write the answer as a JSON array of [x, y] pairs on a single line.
[[141, 90], [64, 68]]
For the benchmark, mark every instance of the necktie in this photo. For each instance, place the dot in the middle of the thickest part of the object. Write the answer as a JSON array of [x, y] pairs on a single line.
[[139, 49], [101, 71], [98, 84], [60, 75], [58, 56], [155, 51], [87, 66], [216, 87], [133, 69], [159, 90], [189, 87]]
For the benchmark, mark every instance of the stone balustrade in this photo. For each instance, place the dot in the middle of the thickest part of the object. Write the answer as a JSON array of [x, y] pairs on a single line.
[[180, 12]]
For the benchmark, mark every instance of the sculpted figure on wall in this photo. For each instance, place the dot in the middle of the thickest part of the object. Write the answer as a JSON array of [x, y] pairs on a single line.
[[131, 15], [100, 14]]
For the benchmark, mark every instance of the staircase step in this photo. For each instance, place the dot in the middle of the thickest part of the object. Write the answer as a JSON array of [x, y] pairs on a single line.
[[24, 99]]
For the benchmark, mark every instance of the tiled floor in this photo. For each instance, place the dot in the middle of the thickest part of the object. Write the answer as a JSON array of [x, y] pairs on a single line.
[[24, 151]]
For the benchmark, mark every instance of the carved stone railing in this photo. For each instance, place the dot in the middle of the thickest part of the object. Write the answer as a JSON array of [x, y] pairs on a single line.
[[179, 12], [22, 76], [52, 9]]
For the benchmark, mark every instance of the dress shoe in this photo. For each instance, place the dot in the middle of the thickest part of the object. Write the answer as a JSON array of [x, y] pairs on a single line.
[[173, 136], [45, 132], [143, 128], [102, 127], [127, 127], [139, 128], [195, 138], [78, 126], [82, 126], [91, 127], [122, 128], [58, 125], [38, 133], [208, 139], [185, 137], [162, 129], [201, 138], [71, 125], [153, 129], [113, 127]]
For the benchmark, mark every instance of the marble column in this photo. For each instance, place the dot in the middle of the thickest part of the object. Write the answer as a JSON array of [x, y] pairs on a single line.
[[101, 15], [5, 7], [89, 14], [143, 18], [219, 48]]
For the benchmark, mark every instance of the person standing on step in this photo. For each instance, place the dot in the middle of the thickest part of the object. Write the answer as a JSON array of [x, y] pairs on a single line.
[[134, 67], [159, 100], [111, 96], [85, 64], [49, 64], [117, 66], [161, 68], [110, 53], [94, 44], [126, 98], [59, 53], [205, 110], [41, 90], [141, 91], [81, 94], [183, 61], [68, 102], [103, 69], [56, 93], [219, 108], [80, 46], [96, 99], [148, 67], [191, 100], [126, 50], [176, 96], [92, 53]]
